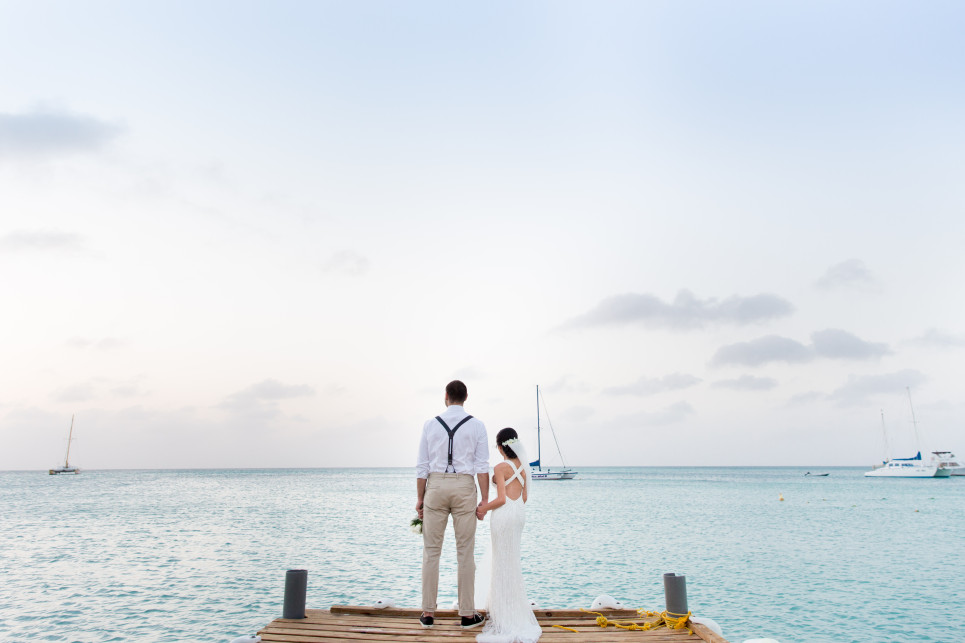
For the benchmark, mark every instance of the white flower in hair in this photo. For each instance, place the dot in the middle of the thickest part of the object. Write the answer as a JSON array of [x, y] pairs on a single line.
[[510, 442]]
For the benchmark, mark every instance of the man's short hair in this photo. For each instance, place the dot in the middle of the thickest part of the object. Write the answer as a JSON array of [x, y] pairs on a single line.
[[456, 392]]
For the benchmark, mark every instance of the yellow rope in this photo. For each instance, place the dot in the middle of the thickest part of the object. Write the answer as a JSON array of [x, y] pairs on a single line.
[[562, 627], [669, 619]]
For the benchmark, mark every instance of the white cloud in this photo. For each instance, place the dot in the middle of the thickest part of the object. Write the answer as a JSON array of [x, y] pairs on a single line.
[[685, 312], [346, 262], [47, 133], [652, 385], [935, 338], [41, 241], [747, 383], [831, 343], [859, 388], [850, 273]]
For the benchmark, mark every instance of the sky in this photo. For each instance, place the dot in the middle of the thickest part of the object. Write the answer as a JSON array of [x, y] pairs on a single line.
[[267, 234]]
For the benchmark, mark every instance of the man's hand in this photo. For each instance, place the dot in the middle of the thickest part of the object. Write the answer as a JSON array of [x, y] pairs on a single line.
[[480, 512], [418, 508]]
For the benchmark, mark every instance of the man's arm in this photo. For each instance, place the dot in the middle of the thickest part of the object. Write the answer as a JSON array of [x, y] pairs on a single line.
[[421, 471], [481, 457], [483, 486], [420, 488]]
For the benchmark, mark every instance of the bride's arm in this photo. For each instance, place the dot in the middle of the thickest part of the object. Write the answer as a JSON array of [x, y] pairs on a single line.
[[525, 486], [499, 477]]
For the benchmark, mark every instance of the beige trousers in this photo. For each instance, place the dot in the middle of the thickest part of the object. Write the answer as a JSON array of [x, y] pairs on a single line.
[[449, 493]]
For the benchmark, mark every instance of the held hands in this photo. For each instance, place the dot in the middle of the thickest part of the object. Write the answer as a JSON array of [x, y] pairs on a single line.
[[480, 512]]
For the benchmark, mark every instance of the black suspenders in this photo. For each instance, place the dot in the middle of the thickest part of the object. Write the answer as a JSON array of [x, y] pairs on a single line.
[[451, 433]]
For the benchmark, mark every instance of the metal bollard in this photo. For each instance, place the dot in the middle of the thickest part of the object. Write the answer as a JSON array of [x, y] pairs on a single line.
[[296, 585], [675, 593]]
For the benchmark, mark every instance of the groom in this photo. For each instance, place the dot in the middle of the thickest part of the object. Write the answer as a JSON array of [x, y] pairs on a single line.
[[452, 450]]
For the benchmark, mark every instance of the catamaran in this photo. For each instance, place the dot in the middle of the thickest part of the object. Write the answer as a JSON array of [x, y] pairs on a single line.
[[946, 460], [907, 467], [539, 473], [66, 468]]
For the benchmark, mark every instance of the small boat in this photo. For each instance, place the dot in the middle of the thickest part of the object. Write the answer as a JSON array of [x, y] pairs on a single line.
[[539, 473], [817, 475], [947, 460], [907, 467], [66, 468]]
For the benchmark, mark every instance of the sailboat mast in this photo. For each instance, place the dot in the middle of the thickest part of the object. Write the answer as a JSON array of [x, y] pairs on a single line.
[[913, 420], [884, 432], [70, 436], [539, 454]]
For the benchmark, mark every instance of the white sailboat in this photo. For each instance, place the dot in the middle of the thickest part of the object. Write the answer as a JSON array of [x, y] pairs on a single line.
[[907, 467], [539, 473], [66, 468]]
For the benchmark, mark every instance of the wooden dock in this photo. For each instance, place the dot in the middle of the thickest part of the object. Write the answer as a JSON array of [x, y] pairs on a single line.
[[347, 623]]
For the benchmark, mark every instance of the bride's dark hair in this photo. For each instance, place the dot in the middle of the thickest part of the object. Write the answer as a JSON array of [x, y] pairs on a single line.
[[504, 435]]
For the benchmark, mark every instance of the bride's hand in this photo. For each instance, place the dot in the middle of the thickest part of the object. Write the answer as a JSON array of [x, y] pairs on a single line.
[[480, 512]]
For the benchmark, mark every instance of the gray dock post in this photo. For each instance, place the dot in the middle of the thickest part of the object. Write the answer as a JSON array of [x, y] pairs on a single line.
[[675, 592], [296, 585]]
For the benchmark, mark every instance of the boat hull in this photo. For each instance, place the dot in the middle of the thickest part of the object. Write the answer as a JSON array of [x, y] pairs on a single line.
[[60, 470], [567, 474], [914, 471]]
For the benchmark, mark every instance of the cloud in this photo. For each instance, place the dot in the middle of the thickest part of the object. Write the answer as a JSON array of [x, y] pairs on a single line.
[[686, 312], [346, 262], [669, 415], [77, 393], [47, 133], [41, 241], [747, 383], [809, 397], [770, 348], [838, 344], [652, 385], [859, 388], [935, 338], [103, 344], [260, 400], [850, 273], [831, 343]]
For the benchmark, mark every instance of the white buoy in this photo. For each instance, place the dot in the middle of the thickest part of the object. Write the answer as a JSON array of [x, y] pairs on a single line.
[[708, 623], [254, 638], [605, 601], [382, 603]]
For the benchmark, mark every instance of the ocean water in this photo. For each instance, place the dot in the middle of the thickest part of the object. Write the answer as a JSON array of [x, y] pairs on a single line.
[[201, 555]]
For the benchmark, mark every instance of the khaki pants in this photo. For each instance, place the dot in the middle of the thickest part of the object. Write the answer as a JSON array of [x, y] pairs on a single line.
[[449, 493]]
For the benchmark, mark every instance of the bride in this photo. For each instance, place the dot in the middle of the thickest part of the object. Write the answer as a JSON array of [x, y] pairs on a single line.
[[510, 618]]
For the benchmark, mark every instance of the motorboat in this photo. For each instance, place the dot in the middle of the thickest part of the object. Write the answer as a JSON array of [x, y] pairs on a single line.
[[947, 460]]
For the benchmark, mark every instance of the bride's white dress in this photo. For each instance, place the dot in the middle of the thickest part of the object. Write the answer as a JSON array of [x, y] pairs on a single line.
[[510, 618]]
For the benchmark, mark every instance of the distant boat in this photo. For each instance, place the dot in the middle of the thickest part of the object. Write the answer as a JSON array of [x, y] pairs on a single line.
[[540, 473], [946, 460], [816, 475], [66, 468], [907, 467]]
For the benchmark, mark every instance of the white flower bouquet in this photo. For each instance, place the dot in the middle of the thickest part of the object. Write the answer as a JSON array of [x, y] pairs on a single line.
[[416, 526]]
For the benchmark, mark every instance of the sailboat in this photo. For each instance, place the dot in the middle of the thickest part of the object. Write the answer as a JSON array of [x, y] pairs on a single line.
[[66, 468], [539, 473], [907, 467]]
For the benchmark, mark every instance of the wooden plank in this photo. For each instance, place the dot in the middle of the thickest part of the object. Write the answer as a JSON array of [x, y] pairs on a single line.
[[357, 624]]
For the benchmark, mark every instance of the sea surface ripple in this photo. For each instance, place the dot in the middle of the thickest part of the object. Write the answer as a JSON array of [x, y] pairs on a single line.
[[201, 555]]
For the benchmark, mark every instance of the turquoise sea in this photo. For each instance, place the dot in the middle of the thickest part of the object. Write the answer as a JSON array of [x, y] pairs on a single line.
[[201, 555]]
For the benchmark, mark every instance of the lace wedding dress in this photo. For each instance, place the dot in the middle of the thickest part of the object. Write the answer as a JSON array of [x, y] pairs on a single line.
[[510, 618]]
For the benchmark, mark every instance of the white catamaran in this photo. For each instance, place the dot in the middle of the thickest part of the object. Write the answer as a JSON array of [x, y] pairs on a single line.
[[539, 473], [66, 468], [907, 467]]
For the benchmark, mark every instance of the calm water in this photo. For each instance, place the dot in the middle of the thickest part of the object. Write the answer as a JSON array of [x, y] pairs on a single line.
[[201, 555]]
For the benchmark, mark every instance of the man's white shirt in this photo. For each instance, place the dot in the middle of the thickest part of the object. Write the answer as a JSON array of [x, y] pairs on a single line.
[[470, 448]]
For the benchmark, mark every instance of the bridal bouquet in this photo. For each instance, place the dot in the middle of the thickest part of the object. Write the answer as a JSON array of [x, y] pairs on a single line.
[[416, 526]]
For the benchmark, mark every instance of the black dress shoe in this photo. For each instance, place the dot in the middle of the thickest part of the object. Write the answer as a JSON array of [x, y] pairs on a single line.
[[427, 621], [469, 622]]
